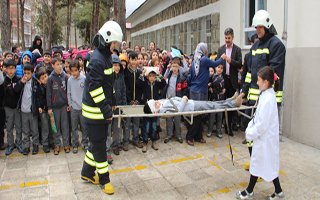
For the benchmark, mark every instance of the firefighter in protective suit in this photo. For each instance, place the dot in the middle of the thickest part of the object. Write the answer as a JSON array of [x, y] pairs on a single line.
[[97, 102], [267, 51]]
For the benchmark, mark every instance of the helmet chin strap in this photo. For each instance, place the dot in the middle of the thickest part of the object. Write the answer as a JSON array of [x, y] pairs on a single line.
[[98, 42]]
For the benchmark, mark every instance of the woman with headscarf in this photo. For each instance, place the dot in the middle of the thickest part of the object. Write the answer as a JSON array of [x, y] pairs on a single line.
[[198, 87]]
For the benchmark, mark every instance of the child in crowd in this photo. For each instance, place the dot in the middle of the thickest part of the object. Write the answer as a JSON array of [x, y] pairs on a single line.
[[155, 61], [131, 75], [176, 86], [41, 105], [121, 99], [75, 90], [145, 59], [263, 130], [124, 60], [216, 93], [13, 117], [151, 87], [67, 66], [58, 105], [46, 63], [27, 87], [140, 61], [25, 58]]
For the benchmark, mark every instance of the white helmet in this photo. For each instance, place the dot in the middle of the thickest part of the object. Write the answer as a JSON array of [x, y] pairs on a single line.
[[262, 18], [111, 32]]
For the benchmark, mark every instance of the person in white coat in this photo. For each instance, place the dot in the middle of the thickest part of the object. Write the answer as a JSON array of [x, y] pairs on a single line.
[[263, 130]]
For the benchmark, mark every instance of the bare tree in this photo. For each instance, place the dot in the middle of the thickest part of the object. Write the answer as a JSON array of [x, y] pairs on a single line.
[[52, 22], [95, 15], [22, 2], [120, 15], [70, 4], [5, 25]]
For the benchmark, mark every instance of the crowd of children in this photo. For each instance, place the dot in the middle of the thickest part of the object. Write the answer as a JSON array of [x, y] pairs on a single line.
[[44, 100]]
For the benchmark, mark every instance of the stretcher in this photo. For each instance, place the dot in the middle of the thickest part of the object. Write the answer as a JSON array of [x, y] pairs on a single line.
[[137, 111]]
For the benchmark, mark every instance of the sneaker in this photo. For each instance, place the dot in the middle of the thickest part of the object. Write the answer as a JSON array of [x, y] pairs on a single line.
[[180, 140], [125, 147], [26, 151], [116, 151], [9, 149], [247, 196], [35, 149], [219, 134], [20, 149], [276, 196], [46, 149], [144, 148], [209, 134], [56, 150], [67, 149], [75, 150], [137, 144], [167, 139], [155, 145], [108, 188]]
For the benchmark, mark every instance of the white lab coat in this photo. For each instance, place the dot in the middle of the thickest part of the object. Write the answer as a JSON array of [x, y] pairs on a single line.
[[263, 130]]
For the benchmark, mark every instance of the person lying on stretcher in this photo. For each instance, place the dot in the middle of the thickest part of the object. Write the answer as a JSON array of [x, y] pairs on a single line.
[[178, 104]]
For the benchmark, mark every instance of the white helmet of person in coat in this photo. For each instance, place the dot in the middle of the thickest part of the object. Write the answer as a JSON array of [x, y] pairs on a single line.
[[262, 18], [108, 33]]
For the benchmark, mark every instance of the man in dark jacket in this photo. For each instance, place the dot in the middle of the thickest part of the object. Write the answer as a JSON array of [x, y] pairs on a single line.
[[37, 44], [230, 69], [98, 100]]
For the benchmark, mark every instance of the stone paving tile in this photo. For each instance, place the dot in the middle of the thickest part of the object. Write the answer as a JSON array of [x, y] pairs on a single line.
[[158, 184], [173, 172]]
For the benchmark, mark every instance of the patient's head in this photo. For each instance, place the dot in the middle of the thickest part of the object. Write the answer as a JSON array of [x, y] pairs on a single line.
[[152, 106]]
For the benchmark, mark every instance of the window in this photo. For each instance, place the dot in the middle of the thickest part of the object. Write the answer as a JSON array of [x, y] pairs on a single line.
[[250, 8]]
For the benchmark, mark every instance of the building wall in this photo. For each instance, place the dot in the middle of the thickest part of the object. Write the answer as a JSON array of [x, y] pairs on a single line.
[[183, 24], [302, 105]]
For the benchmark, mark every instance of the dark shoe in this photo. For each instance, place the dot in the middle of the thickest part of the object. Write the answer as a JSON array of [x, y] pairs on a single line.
[[201, 140], [46, 149], [167, 139], [26, 151], [190, 142], [180, 140], [125, 147], [9, 149], [67, 149], [275, 196], [137, 144], [209, 134], [2, 146], [230, 133], [116, 151], [75, 150], [20, 149], [219, 135], [234, 127], [35, 149], [56, 150]]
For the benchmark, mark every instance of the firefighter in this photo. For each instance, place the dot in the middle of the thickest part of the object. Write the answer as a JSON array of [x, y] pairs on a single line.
[[97, 102], [268, 50]]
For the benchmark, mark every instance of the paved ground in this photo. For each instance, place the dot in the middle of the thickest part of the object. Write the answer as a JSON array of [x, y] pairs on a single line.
[[176, 171]]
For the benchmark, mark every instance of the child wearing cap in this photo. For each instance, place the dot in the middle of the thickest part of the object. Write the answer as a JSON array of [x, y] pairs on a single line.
[[121, 99], [176, 86], [151, 85]]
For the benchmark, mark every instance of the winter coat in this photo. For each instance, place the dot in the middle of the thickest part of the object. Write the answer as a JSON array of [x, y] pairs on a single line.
[[19, 68], [11, 97]]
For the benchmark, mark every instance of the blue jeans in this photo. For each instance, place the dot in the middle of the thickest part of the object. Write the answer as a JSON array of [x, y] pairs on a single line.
[[149, 129]]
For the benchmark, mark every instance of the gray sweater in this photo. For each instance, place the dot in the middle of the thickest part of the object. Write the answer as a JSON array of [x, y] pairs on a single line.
[[75, 90]]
